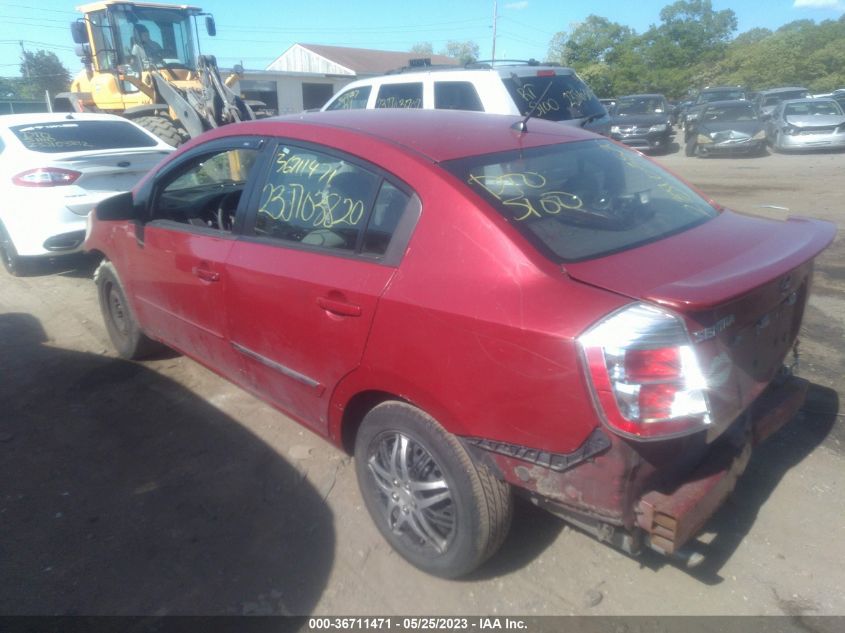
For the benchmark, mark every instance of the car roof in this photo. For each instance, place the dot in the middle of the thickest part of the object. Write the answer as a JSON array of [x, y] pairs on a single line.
[[437, 135], [720, 88], [772, 91], [808, 100], [729, 102], [642, 96]]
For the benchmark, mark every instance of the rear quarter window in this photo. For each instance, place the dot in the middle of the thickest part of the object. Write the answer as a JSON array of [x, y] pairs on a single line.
[[81, 136], [456, 95]]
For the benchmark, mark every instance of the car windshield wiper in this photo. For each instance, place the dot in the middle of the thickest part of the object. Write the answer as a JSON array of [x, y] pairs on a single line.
[[591, 118]]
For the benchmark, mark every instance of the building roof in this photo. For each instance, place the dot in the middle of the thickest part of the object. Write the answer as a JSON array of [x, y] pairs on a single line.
[[359, 61]]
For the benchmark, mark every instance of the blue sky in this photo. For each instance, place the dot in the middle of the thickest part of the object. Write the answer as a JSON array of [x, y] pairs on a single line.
[[257, 31]]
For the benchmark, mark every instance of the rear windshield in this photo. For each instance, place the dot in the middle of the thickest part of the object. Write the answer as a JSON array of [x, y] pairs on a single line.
[[81, 136], [555, 98], [640, 105], [581, 200]]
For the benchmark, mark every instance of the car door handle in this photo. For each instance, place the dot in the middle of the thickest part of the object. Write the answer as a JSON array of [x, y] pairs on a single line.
[[342, 308], [205, 274]]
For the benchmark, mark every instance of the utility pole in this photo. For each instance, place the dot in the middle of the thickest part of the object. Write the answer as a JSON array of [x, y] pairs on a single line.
[[495, 18], [25, 60]]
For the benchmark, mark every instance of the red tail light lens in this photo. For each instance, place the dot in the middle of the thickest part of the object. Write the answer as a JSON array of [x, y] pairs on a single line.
[[46, 177], [645, 374]]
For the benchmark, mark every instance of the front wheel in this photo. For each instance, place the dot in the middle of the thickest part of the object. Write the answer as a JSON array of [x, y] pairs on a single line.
[[434, 505], [124, 332], [163, 128]]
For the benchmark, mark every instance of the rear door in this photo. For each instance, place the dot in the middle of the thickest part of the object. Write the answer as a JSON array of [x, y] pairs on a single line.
[[325, 236]]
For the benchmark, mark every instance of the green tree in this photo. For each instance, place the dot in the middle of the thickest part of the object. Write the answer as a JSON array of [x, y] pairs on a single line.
[[466, 52], [42, 71], [423, 49], [589, 42]]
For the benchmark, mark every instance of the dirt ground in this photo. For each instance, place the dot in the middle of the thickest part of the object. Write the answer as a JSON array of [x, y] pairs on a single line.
[[158, 488]]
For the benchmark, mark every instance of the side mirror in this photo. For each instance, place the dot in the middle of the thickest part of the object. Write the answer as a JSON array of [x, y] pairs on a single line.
[[79, 32], [119, 207], [210, 27]]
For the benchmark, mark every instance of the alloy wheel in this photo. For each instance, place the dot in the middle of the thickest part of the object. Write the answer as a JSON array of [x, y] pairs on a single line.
[[416, 499]]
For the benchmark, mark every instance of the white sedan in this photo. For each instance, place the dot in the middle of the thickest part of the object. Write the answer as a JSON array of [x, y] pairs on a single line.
[[54, 168]]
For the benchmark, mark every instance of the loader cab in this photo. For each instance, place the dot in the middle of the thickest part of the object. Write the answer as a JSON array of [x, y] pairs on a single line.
[[118, 31]]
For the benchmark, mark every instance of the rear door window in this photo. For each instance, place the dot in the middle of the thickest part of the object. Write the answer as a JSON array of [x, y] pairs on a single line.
[[81, 136], [407, 95], [456, 95]]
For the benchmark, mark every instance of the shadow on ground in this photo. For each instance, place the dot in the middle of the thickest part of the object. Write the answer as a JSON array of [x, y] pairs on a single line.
[[770, 461], [164, 505]]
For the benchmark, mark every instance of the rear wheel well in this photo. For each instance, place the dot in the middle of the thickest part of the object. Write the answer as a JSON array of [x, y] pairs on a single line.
[[354, 412]]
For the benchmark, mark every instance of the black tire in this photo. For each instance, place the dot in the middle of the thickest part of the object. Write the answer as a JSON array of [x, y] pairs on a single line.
[[690, 148], [14, 264], [471, 516], [163, 128], [121, 324]]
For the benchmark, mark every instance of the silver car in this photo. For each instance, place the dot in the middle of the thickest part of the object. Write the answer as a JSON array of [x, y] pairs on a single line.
[[806, 124]]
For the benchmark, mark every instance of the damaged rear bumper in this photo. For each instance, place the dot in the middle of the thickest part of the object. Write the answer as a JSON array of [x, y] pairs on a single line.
[[634, 495], [670, 519]]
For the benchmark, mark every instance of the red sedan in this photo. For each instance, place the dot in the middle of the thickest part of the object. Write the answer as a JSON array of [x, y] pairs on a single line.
[[473, 305]]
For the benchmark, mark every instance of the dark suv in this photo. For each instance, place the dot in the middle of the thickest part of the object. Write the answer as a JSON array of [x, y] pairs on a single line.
[[642, 121], [708, 95]]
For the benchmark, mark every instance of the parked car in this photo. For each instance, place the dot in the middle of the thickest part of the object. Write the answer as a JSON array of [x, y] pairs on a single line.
[[806, 124], [54, 169], [642, 121], [544, 91], [709, 95], [727, 127], [472, 305], [767, 100]]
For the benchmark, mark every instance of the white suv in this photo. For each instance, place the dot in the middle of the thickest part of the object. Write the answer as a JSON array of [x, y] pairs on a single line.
[[543, 91]]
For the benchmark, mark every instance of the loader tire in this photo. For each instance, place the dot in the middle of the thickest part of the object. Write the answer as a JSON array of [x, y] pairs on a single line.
[[163, 128]]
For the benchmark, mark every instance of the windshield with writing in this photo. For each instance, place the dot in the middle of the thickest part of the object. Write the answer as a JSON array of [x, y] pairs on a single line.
[[581, 200], [554, 98]]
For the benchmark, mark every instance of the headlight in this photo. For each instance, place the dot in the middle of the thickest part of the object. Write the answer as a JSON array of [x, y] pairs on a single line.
[[703, 139], [660, 127], [760, 135], [790, 130], [614, 129]]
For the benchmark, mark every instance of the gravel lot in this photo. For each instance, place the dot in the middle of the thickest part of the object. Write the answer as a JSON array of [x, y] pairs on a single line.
[[159, 488]]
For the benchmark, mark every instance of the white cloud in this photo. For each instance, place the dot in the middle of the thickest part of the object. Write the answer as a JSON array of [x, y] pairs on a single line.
[[816, 4], [519, 6]]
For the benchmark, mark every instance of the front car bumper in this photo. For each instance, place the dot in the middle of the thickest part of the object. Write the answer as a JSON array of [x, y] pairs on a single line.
[[805, 141], [646, 141], [656, 495], [749, 146]]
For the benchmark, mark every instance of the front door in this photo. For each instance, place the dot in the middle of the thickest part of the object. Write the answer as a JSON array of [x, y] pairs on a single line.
[[178, 267]]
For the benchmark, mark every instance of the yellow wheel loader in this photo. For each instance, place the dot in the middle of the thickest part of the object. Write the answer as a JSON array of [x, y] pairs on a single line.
[[140, 61]]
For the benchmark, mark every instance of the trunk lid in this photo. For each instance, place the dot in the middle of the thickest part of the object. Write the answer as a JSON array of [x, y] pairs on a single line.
[[740, 282], [104, 174]]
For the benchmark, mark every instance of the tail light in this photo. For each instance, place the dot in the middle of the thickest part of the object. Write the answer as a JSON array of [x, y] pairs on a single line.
[[46, 177], [645, 374]]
